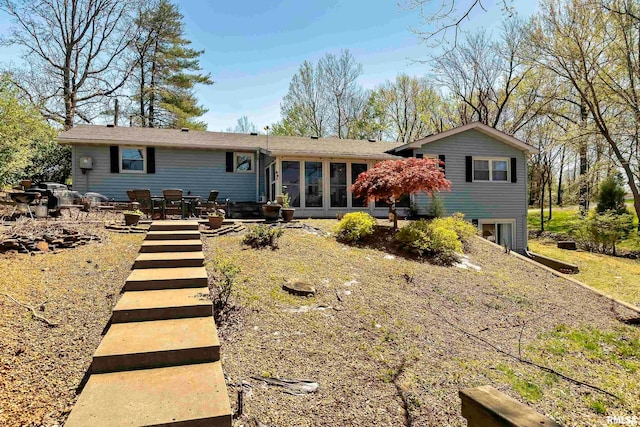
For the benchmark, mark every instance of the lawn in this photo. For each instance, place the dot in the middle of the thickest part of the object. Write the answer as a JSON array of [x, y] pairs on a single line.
[[617, 277], [391, 340], [563, 220]]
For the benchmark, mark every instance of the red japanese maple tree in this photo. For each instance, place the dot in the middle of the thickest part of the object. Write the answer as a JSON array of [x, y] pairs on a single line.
[[391, 179]]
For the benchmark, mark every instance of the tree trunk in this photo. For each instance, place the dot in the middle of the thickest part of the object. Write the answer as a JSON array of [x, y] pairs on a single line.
[[560, 177], [542, 186], [550, 194], [583, 195]]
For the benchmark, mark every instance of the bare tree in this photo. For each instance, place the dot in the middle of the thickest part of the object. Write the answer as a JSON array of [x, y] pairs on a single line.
[[410, 106], [244, 126], [304, 106], [345, 97], [595, 50], [324, 100], [75, 49], [443, 17], [493, 81]]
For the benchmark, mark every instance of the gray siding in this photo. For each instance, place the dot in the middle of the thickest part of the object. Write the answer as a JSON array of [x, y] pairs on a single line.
[[198, 171], [480, 200]]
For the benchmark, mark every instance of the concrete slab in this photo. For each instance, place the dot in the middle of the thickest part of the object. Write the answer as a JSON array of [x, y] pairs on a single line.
[[171, 246], [174, 225], [163, 304], [192, 395], [169, 260], [173, 235], [158, 343], [166, 278]]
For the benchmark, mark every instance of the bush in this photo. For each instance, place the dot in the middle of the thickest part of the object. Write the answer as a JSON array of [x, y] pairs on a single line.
[[225, 283], [611, 195], [435, 239], [463, 229], [437, 209], [600, 232], [355, 226], [261, 236]]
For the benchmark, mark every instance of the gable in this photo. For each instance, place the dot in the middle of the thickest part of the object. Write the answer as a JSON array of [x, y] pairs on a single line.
[[474, 128]]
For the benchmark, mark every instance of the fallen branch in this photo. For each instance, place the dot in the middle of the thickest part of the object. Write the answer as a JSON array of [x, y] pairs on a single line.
[[297, 387], [34, 313], [518, 358]]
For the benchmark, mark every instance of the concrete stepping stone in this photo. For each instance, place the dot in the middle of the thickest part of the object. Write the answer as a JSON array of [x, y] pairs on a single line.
[[162, 304], [173, 235], [169, 225], [169, 260], [166, 278], [192, 395], [158, 343], [171, 246]]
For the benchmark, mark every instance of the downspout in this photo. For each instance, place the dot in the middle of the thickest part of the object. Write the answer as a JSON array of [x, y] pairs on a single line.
[[258, 172]]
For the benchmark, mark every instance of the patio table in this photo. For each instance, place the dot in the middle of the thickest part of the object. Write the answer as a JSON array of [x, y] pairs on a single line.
[[191, 202]]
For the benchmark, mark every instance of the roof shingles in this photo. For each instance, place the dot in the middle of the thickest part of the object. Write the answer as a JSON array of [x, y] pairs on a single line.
[[275, 145]]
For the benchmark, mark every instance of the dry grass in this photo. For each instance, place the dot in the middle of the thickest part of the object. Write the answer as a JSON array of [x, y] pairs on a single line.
[[398, 347], [40, 366], [618, 277]]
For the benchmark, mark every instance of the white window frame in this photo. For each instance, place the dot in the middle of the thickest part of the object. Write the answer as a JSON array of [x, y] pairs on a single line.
[[235, 162], [490, 160], [495, 222], [144, 158]]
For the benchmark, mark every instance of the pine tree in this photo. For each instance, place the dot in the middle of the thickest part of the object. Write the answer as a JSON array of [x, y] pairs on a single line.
[[167, 70]]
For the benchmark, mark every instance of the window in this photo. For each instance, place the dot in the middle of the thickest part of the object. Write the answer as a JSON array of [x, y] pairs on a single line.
[[490, 170], [500, 231], [243, 162], [133, 159], [313, 184], [357, 169], [338, 185], [291, 180]]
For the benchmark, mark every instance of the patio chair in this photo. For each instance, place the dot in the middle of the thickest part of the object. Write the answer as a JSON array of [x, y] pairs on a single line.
[[147, 205], [174, 202], [210, 205]]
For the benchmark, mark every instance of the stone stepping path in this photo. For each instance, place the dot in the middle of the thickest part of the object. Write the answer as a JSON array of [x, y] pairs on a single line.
[[159, 362]]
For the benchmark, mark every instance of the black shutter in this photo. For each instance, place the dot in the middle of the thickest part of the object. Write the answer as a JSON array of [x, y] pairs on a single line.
[[419, 155], [469, 163], [229, 161], [151, 160], [442, 165], [514, 172], [115, 158]]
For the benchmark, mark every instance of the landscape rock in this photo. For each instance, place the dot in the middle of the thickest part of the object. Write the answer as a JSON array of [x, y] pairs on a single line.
[[299, 288]]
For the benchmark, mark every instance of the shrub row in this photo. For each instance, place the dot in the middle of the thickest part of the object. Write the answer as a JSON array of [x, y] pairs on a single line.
[[441, 239]]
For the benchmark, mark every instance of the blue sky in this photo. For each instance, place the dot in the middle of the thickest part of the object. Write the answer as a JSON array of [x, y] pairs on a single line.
[[253, 48]]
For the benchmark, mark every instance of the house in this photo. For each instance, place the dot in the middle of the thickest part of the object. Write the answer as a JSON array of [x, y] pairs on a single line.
[[487, 169]]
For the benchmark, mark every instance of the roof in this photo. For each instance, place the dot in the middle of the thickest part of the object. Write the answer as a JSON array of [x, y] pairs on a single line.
[[480, 127], [276, 145]]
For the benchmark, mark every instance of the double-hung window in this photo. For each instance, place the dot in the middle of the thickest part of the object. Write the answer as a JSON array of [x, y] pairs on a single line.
[[133, 159], [486, 169], [243, 162]]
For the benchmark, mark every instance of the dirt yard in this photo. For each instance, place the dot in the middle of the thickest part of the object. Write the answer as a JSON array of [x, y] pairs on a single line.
[[391, 340], [41, 366]]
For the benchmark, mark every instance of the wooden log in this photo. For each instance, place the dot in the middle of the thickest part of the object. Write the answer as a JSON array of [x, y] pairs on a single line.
[[487, 407], [567, 244]]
